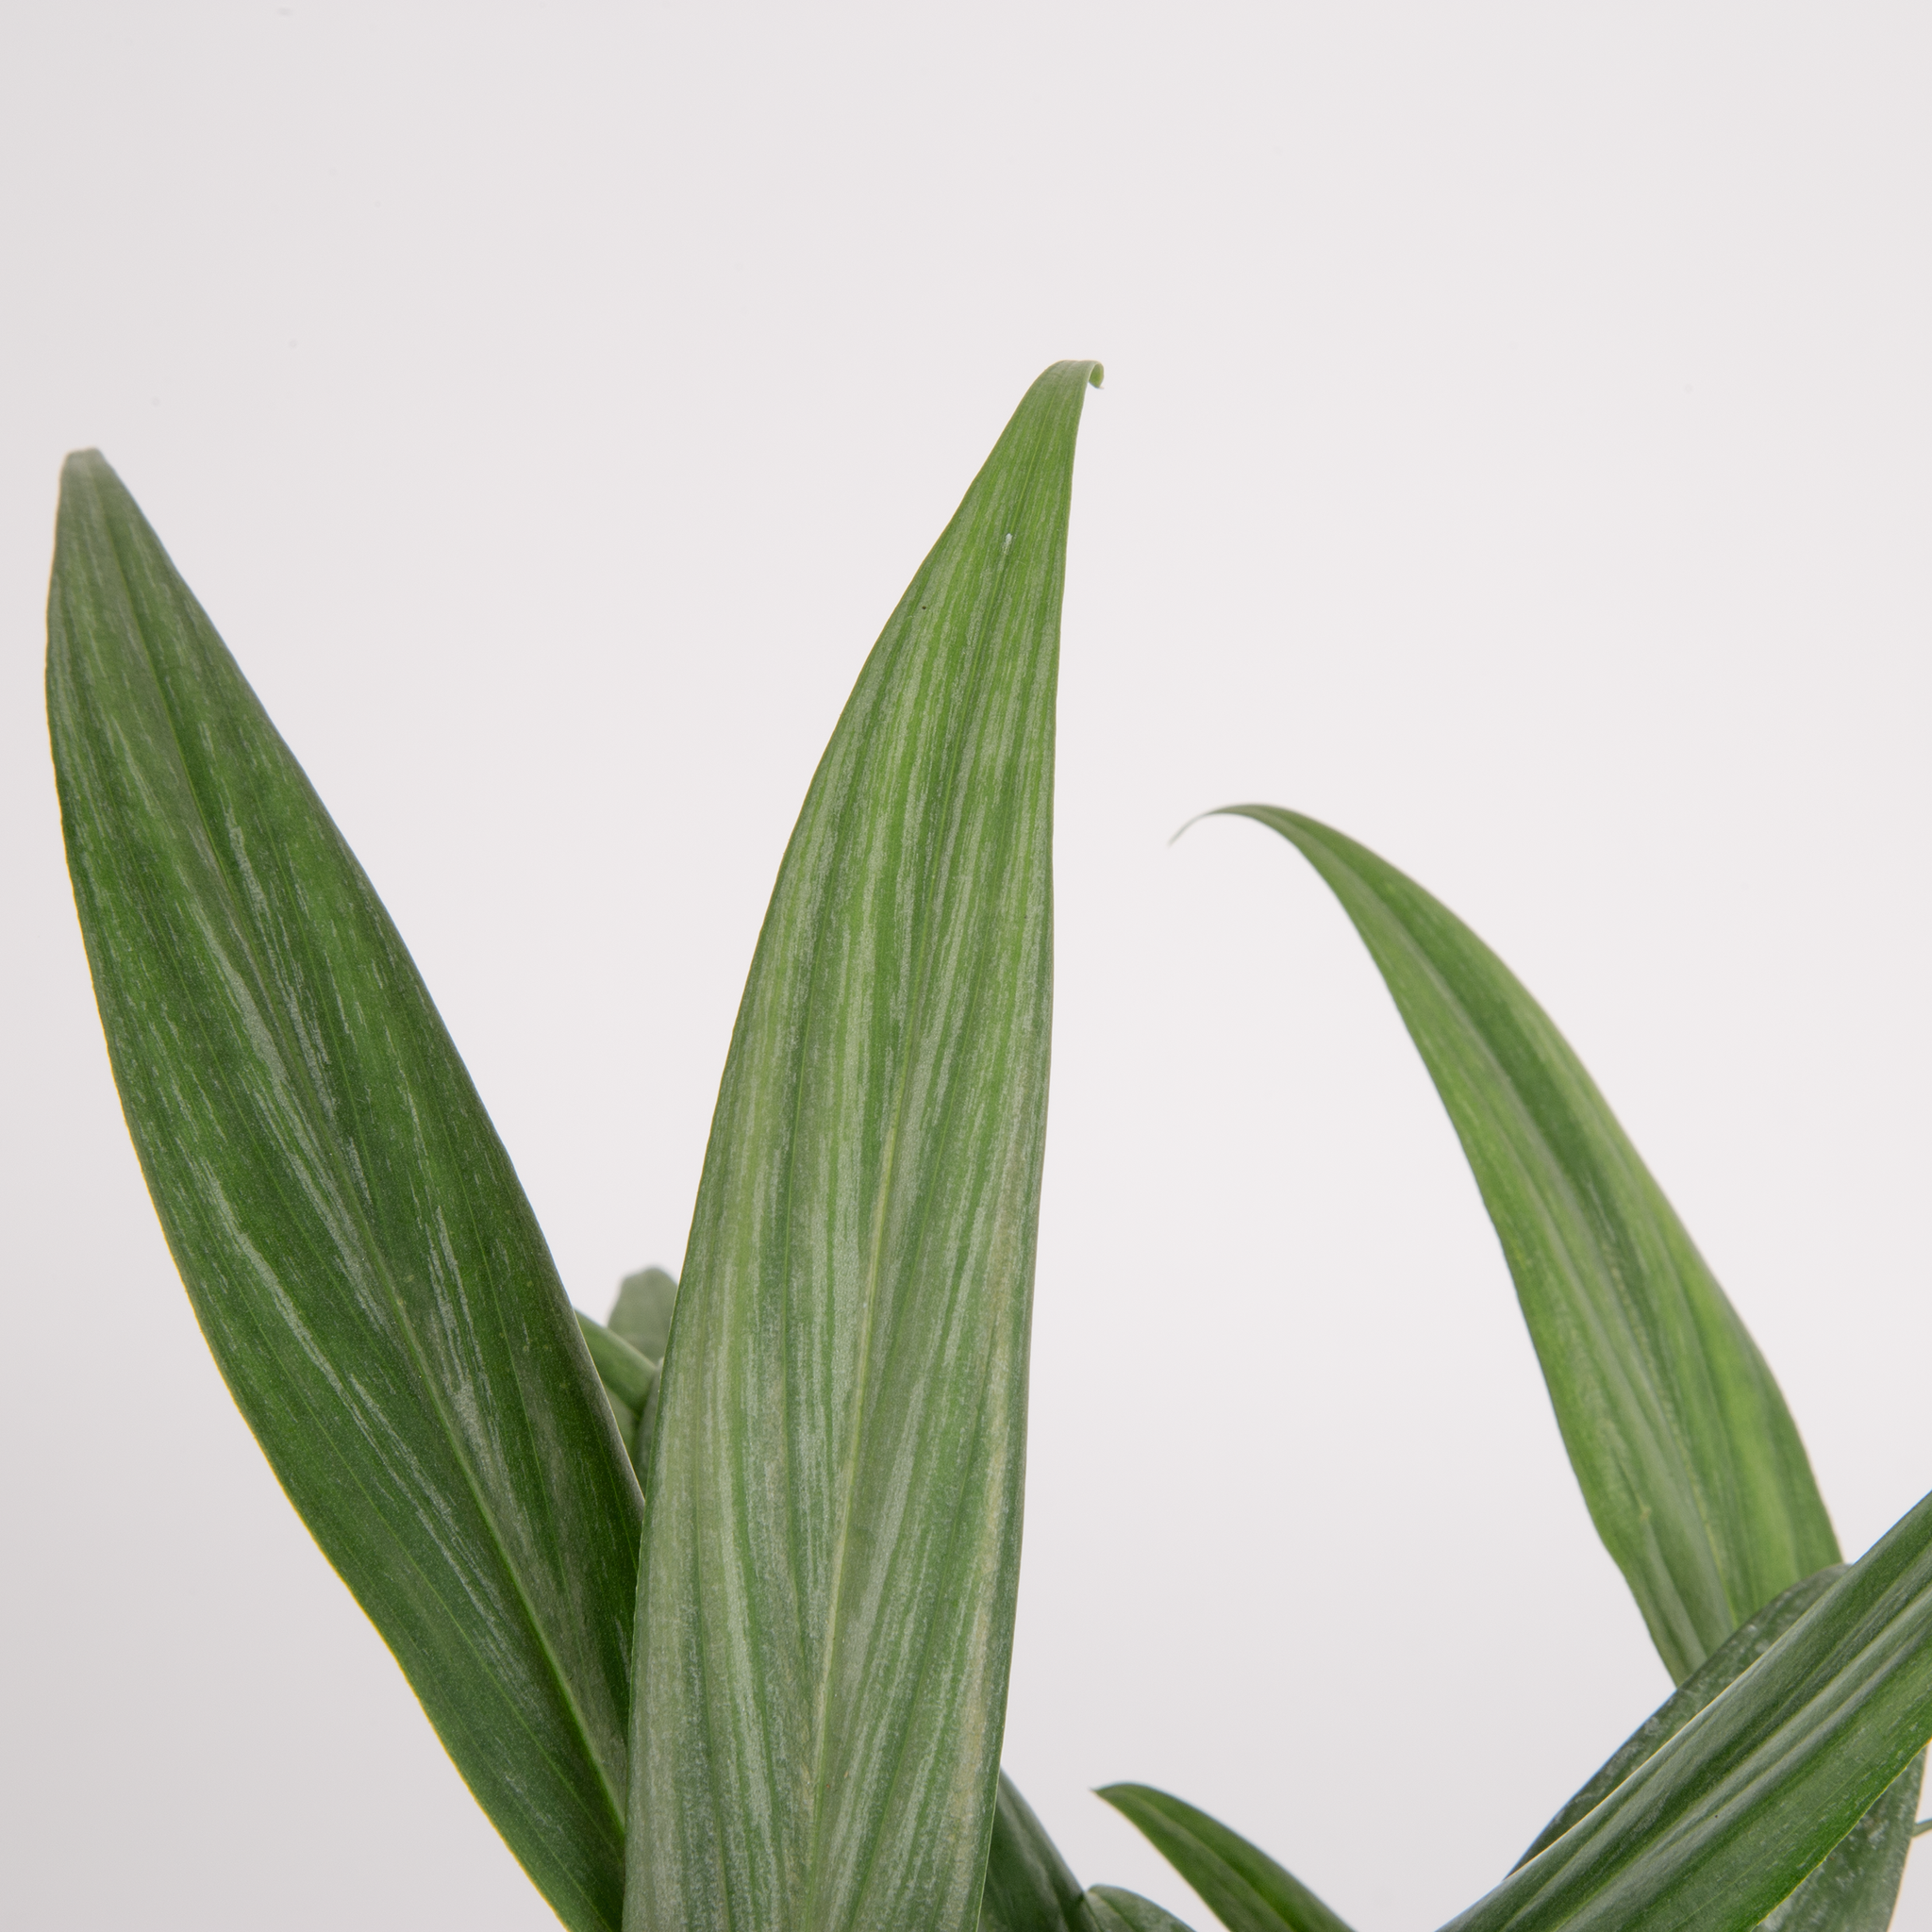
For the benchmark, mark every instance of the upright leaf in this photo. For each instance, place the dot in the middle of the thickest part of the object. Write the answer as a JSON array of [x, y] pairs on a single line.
[[1725, 1820], [826, 1601], [349, 1229], [1238, 1882], [1686, 1453], [642, 1313]]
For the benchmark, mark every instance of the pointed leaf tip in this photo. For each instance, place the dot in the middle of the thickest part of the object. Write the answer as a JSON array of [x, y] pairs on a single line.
[[831, 1550], [359, 1255]]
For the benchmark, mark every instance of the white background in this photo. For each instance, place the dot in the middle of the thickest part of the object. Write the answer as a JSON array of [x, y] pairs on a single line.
[[1514, 450]]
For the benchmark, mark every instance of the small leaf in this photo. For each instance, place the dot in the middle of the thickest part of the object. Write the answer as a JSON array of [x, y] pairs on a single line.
[[642, 1316], [642, 1313], [351, 1234], [1028, 1887], [1726, 1819], [1686, 1453], [627, 1376], [826, 1601], [1115, 1910], [630, 1387], [1238, 1883]]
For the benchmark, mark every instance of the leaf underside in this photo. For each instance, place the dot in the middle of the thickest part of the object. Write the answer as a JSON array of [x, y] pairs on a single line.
[[1686, 1456], [831, 1547], [349, 1228]]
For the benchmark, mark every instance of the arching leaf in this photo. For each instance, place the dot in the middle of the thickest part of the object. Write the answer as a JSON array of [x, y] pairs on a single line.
[[1238, 1882], [1686, 1453]]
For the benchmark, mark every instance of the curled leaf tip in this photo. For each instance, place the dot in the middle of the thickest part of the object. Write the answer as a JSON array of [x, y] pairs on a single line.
[[1097, 375], [1218, 811]]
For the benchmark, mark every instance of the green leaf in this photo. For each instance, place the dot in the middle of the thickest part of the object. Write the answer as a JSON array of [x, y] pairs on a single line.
[[642, 1313], [1114, 1910], [642, 1316], [627, 1376], [826, 1601], [1856, 1886], [1028, 1887], [1238, 1883], [1715, 1676], [630, 1387], [349, 1229], [1686, 1453], [1723, 1823]]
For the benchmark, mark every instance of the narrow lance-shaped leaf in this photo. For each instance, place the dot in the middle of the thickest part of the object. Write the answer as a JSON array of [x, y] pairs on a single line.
[[351, 1234], [832, 1544], [1855, 1888], [1723, 1823], [1686, 1453], [1238, 1882]]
